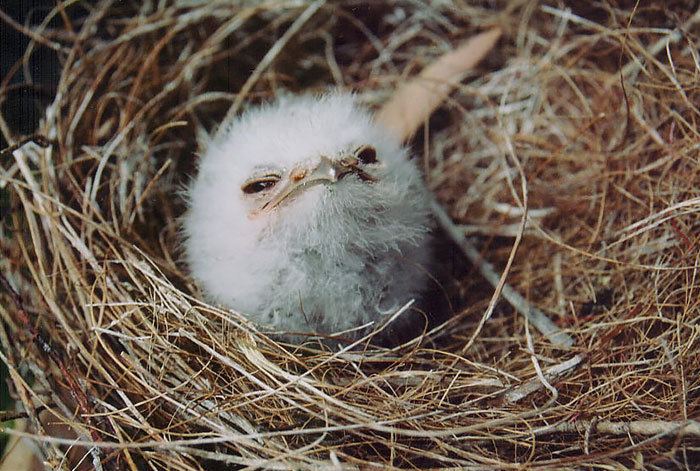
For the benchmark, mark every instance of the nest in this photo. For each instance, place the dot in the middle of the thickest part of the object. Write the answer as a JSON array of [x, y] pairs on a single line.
[[586, 115]]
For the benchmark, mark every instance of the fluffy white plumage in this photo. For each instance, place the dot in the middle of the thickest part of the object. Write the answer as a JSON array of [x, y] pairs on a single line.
[[306, 216]]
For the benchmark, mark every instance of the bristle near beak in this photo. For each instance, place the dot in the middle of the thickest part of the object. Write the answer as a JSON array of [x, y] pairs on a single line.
[[326, 171]]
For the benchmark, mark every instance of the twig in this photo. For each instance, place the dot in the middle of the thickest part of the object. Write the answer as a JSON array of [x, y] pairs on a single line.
[[635, 427], [416, 100], [535, 384], [37, 139], [534, 315], [542, 380]]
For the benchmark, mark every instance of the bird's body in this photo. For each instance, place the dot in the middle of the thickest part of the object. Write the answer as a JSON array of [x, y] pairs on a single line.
[[306, 216]]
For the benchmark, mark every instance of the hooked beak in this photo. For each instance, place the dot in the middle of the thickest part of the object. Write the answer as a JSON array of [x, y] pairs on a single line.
[[327, 171]]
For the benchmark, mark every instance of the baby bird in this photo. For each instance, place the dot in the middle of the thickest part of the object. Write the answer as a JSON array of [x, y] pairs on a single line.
[[307, 217]]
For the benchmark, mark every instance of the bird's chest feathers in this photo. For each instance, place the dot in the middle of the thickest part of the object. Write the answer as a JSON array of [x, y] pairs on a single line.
[[341, 246], [314, 257]]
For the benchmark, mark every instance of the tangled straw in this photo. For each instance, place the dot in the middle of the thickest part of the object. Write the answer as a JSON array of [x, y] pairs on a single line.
[[104, 333]]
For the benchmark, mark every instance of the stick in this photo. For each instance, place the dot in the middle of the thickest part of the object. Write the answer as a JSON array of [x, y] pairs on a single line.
[[415, 101], [635, 427], [38, 139], [534, 315], [535, 384]]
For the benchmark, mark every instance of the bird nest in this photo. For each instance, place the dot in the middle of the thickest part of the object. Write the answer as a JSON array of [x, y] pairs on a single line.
[[585, 115]]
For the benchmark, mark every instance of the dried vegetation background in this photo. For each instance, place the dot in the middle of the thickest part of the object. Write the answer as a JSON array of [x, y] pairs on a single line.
[[594, 103]]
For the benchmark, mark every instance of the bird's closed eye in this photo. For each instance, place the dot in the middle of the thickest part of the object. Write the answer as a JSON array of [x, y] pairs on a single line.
[[259, 184], [366, 155]]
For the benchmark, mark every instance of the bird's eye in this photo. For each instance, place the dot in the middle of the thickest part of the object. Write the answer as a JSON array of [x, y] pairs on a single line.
[[367, 155], [259, 184]]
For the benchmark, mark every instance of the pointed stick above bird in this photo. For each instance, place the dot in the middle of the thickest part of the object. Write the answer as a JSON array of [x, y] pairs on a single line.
[[414, 101]]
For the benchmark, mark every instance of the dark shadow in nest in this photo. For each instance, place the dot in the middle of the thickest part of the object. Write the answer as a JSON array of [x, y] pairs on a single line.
[[26, 97], [442, 299]]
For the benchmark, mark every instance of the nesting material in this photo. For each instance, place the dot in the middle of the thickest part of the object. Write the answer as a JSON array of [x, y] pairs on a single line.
[[575, 142]]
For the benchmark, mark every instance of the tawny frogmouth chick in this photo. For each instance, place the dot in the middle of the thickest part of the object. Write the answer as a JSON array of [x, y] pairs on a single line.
[[307, 216]]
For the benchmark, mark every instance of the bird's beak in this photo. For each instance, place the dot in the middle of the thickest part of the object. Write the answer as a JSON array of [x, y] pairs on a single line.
[[327, 171]]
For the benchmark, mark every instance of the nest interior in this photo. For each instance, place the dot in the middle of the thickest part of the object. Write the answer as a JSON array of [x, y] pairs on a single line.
[[590, 108]]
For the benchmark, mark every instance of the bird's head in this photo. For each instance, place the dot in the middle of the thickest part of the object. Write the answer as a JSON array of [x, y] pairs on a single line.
[[297, 159], [268, 189]]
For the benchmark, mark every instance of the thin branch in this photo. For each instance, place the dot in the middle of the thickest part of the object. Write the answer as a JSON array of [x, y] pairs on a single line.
[[37, 139], [535, 384], [635, 427], [534, 315]]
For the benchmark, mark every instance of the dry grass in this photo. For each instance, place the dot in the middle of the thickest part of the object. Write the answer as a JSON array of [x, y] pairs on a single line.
[[598, 106]]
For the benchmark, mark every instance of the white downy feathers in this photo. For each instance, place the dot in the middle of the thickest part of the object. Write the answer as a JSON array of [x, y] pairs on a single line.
[[306, 216]]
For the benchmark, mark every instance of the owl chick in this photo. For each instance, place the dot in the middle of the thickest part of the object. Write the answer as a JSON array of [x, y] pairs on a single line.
[[307, 216]]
